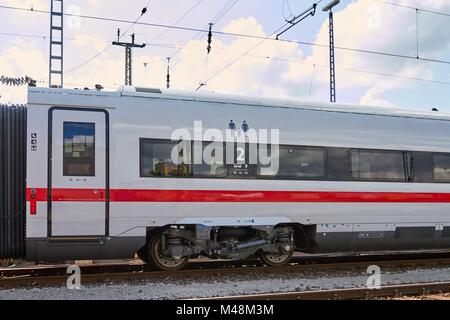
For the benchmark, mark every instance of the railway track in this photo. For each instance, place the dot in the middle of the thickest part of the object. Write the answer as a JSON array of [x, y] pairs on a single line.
[[420, 289], [55, 275]]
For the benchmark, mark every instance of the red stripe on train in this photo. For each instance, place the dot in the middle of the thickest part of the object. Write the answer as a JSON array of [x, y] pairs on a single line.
[[129, 195], [78, 195]]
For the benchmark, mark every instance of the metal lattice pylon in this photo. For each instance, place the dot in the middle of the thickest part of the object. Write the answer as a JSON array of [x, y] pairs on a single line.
[[332, 62], [55, 68]]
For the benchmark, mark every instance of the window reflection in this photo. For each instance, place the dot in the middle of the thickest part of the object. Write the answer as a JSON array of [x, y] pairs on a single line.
[[378, 165], [296, 162], [156, 159], [79, 149], [441, 168]]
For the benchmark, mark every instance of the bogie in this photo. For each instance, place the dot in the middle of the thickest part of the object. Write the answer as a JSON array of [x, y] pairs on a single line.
[[170, 248]]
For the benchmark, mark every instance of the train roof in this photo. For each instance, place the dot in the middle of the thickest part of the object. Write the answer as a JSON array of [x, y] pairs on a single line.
[[70, 97]]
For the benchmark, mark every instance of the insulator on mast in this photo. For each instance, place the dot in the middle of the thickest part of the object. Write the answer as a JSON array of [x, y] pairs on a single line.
[[168, 72], [209, 37]]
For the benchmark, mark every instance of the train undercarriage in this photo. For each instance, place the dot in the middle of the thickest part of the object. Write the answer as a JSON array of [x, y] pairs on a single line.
[[171, 248]]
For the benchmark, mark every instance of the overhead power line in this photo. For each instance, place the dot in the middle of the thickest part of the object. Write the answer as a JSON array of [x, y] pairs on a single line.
[[219, 16], [178, 20], [205, 31], [413, 8], [180, 47], [23, 35], [281, 59], [290, 60], [294, 21], [228, 65], [224, 10], [287, 60]]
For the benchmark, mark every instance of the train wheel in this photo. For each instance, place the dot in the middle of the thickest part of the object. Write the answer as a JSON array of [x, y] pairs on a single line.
[[276, 259], [163, 263]]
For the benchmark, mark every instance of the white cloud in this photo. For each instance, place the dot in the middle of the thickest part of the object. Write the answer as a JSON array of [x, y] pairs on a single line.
[[361, 24], [373, 97], [367, 25], [251, 74], [21, 59], [89, 41]]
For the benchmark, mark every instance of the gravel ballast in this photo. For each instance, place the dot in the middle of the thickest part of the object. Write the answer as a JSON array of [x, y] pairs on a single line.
[[213, 286]]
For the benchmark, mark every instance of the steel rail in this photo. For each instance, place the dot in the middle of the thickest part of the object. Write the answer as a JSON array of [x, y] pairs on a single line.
[[56, 275], [417, 289]]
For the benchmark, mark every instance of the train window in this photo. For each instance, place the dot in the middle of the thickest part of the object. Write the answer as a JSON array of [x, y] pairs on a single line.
[[79, 149], [441, 170], [378, 165], [156, 157], [295, 162], [213, 161]]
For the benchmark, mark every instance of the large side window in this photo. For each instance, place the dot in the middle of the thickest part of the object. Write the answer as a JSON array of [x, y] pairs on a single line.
[[164, 158], [378, 165], [79, 149], [441, 169], [296, 163]]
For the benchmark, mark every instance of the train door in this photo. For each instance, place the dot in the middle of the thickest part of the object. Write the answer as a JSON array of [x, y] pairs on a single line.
[[78, 174]]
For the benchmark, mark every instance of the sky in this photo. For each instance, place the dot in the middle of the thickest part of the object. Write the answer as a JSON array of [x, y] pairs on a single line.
[[241, 65]]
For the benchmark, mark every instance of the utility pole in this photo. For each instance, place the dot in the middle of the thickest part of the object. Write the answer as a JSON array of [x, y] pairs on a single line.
[[128, 56], [329, 8], [55, 65]]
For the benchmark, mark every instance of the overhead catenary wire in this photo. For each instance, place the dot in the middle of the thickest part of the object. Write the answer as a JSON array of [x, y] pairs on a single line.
[[219, 49], [341, 68], [358, 50], [204, 31], [225, 9], [325, 46], [442, 82], [178, 20], [219, 16], [228, 65], [412, 8], [222, 9]]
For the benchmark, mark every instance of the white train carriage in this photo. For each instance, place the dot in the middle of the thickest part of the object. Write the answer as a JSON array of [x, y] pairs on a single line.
[[101, 181]]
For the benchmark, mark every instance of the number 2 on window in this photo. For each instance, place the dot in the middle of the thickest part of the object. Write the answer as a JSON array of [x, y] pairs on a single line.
[[241, 154]]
